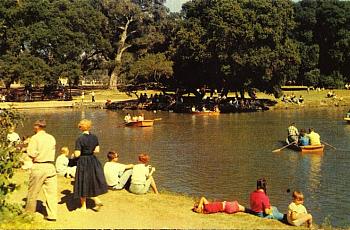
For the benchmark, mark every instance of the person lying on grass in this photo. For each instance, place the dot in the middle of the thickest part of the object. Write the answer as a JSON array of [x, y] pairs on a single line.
[[206, 207]]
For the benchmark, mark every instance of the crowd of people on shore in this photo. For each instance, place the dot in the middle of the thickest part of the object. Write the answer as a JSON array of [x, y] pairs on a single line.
[[91, 179], [302, 138], [293, 99], [156, 98]]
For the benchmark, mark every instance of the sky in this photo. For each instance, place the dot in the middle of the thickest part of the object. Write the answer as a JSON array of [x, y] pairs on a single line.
[[175, 5]]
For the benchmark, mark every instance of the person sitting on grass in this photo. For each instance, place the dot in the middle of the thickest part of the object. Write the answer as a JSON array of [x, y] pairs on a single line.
[[260, 203], [329, 94], [141, 179], [117, 174], [297, 214], [206, 207], [62, 162], [301, 99]]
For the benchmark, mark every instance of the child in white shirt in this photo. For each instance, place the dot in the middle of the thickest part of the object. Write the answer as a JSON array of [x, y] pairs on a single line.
[[62, 161], [297, 213], [13, 137]]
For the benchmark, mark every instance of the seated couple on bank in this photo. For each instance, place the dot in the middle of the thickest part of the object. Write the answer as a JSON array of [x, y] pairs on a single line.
[[140, 175], [260, 206]]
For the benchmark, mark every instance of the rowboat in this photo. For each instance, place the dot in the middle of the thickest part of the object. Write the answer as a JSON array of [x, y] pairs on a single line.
[[309, 148], [306, 148], [347, 117], [144, 123]]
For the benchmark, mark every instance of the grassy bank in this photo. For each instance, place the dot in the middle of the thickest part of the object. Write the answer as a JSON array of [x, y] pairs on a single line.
[[124, 210], [313, 99]]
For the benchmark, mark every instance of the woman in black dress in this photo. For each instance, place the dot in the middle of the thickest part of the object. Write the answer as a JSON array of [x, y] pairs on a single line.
[[89, 178]]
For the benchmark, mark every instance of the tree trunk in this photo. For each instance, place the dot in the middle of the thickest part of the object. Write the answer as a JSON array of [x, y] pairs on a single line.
[[241, 91], [122, 46], [113, 79]]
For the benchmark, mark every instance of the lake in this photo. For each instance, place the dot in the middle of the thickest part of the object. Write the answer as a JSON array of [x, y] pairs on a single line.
[[221, 157]]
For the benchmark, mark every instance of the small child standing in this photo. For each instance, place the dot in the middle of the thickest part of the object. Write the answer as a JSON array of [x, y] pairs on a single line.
[[297, 214], [62, 161]]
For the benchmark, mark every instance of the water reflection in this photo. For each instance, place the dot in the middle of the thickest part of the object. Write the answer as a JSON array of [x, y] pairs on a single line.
[[315, 162]]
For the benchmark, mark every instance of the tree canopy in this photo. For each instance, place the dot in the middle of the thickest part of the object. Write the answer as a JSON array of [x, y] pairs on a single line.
[[236, 45]]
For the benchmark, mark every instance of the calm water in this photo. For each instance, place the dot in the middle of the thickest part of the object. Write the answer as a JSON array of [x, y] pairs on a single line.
[[222, 156]]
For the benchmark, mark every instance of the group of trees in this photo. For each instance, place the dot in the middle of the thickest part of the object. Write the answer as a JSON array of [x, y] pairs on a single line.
[[323, 36], [41, 41], [219, 44]]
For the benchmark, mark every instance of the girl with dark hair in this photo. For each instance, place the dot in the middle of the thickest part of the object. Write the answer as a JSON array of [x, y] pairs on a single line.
[[260, 202]]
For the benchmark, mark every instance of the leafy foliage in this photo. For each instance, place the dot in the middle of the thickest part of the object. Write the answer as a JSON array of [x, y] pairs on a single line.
[[152, 68], [9, 156], [236, 44], [323, 32]]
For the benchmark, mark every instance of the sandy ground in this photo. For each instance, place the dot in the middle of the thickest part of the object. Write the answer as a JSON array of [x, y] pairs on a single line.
[[125, 210]]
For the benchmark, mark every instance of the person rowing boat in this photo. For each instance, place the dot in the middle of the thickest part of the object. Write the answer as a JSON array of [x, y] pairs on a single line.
[[293, 133], [127, 118]]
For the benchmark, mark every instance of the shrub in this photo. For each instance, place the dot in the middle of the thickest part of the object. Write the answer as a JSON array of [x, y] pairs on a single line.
[[312, 77], [9, 160], [334, 80]]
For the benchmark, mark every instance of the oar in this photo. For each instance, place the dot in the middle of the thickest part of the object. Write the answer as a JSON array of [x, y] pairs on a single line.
[[328, 144], [121, 125], [277, 150]]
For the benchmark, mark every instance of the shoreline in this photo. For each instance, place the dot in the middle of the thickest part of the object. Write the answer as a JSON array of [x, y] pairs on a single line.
[[125, 210], [312, 100], [101, 105]]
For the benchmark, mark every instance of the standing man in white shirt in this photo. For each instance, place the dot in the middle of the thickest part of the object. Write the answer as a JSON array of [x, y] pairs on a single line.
[[41, 149], [293, 133]]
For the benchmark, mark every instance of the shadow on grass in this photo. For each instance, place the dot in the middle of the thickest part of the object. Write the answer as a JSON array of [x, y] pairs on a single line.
[[73, 203]]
